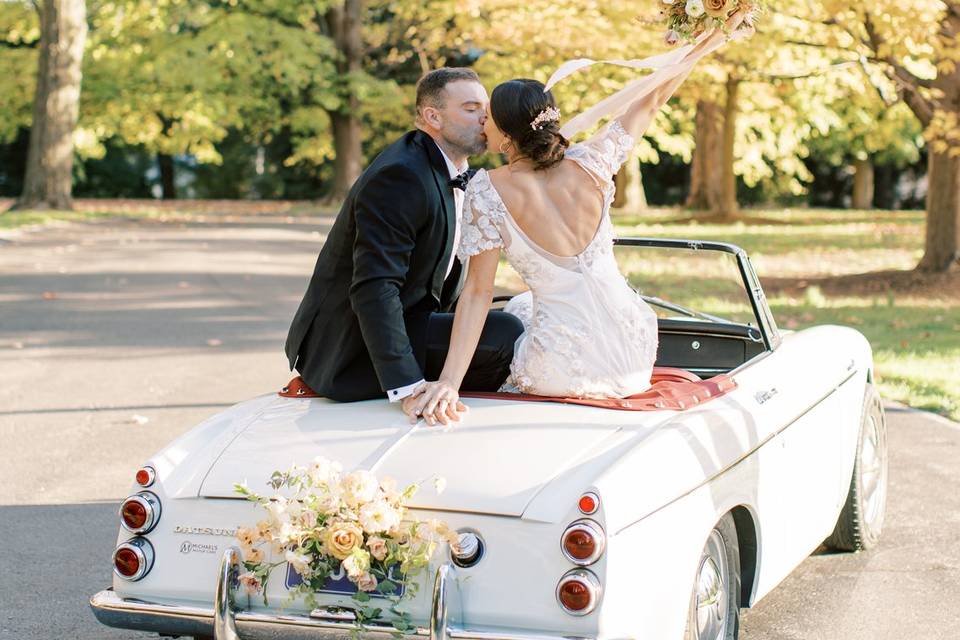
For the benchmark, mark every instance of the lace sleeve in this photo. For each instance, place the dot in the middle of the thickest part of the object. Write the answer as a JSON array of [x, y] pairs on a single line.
[[481, 218], [604, 152]]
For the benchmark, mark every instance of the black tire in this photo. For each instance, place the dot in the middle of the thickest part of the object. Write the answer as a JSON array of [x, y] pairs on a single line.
[[861, 519], [707, 608]]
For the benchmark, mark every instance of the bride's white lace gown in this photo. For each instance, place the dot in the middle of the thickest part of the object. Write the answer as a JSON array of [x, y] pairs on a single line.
[[588, 334]]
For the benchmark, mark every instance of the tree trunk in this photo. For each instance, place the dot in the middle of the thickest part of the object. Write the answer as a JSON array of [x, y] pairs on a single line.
[[707, 158], [629, 188], [862, 184], [343, 21], [167, 176], [49, 176], [728, 179], [942, 247]]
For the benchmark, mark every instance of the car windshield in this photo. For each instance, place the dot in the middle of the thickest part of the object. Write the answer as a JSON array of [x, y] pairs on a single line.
[[683, 282]]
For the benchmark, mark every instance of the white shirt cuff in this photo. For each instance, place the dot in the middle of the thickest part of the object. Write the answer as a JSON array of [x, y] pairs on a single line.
[[396, 395]]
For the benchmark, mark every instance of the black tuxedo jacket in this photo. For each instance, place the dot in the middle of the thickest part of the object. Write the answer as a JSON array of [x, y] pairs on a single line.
[[361, 326]]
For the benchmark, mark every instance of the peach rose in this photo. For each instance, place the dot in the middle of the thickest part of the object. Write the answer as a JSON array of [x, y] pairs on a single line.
[[378, 547], [250, 582], [341, 538], [716, 8], [367, 582]]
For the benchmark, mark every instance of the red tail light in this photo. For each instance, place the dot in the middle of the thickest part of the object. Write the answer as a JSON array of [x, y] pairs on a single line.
[[583, 542], [133, 559], [139, 513], [588, 503], [146, 476], [578, 592]]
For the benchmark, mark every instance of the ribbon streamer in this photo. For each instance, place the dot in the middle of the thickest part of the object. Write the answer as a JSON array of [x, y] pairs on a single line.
[[666, 66]]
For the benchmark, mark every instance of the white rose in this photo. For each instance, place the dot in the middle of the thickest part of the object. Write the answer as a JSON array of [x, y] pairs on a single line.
[[694, 8], [367, 582], [359, 487], [378, 516], [300, 562]]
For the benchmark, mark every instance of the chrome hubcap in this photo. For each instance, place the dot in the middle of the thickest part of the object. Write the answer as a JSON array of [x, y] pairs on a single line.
[[873, 475], [711, 590]]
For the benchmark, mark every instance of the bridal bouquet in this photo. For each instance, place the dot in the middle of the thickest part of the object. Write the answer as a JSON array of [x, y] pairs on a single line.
[[327, 525], [687, 19]]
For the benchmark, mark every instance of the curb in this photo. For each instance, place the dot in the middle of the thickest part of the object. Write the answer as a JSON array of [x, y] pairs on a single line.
[[899, 407]]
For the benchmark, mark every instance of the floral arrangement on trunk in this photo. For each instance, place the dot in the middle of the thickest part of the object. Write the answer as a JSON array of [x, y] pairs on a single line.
[[687, 19], [326, 525]]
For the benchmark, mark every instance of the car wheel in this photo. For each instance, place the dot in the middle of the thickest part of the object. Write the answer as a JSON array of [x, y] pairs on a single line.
[[861, 519], [715, 600]]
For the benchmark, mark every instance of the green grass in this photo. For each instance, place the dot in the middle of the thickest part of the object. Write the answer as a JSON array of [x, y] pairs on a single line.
[[915, 334], [16, 219]]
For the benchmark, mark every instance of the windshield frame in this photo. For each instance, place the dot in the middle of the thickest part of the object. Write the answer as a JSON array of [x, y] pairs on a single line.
[[748, 276]]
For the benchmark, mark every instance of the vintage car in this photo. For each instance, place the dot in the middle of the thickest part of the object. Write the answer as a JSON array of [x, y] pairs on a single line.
[[654, 517]]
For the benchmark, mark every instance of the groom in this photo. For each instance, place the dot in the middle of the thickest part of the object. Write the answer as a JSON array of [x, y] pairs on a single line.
[[373, 321]]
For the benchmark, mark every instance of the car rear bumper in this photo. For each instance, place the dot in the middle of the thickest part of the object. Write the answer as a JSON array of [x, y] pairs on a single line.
[[223, 622]]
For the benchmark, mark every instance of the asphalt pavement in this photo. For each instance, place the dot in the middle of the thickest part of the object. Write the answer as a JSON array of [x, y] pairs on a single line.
[[118, 335]]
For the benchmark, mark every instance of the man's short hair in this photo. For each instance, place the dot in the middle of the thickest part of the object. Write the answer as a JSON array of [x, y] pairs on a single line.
[[430, 88]]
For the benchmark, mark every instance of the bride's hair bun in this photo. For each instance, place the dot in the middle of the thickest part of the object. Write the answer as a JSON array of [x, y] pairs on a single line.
[[522, 110]]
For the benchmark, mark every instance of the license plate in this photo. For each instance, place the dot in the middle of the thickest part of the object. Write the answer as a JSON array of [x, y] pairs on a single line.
[[338, 583]]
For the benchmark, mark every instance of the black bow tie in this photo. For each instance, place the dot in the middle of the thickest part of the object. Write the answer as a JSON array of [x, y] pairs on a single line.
[[460, 182]]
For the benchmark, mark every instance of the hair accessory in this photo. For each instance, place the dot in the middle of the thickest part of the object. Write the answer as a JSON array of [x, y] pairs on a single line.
[[550, 114]]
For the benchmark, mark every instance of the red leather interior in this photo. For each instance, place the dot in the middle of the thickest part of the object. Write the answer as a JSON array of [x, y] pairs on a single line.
[[670, 389]]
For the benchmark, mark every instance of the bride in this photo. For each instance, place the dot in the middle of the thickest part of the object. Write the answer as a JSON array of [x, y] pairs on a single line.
[[586, 332]]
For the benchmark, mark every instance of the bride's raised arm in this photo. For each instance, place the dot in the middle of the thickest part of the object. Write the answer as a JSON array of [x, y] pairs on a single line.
[[638, 116]]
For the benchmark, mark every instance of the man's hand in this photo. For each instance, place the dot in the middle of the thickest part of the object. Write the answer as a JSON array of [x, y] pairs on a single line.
[[436, 402]]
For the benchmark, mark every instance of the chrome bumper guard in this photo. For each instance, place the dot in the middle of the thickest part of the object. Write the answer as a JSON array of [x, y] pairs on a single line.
[[224, 622]]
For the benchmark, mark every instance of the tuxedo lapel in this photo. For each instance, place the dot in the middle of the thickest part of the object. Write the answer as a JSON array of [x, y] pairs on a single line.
[[441, 177]]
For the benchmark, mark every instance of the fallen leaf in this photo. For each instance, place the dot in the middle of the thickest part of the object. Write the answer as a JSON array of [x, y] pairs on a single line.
[[138, 419], [49, 295], [214, 342]]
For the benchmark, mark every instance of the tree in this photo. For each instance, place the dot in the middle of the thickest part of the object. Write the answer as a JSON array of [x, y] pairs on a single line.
[[48, 180], [916, 44]]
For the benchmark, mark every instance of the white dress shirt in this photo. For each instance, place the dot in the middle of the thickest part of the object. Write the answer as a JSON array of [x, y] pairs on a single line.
[[395, 395]]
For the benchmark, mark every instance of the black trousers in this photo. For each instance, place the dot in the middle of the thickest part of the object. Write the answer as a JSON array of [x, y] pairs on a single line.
[[490, 365], [429, 335]]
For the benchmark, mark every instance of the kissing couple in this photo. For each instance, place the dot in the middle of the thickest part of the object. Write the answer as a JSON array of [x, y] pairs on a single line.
[[399, 302]]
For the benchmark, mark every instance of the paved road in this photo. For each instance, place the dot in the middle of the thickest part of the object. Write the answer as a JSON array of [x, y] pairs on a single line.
[[116, 336]]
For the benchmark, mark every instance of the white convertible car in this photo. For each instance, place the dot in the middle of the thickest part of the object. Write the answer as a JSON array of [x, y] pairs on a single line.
[[658, 517]]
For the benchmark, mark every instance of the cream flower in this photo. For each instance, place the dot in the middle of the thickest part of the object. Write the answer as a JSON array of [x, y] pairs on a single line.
[[264, 529], [716, 8], [378, 547], [253, 555], [250, 582], [300, 562], [694, 8], [341, 537], [376, 517], [359, 487], [439, 484], [329, 503], [324, 472], [367, 582], [388, 486], [356, 564]]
